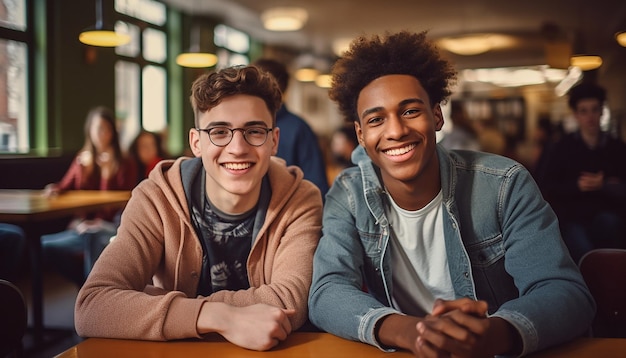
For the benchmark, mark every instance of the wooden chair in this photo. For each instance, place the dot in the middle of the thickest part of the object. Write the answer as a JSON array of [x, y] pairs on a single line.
[[13, 320], [604, 271]]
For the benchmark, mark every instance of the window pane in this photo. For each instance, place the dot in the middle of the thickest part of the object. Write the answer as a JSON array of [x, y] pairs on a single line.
[[15, 15], [131, 49], [148, 10], [154, 99], [226, 58], [231, 39], [154, 45], [127, 101], [14, 130], [237, 59]]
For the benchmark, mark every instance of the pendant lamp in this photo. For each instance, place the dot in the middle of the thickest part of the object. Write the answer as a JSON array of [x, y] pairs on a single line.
[[586, 62], [581, 58], [621, 38], [194, 57], [284, 18], [102, 35]]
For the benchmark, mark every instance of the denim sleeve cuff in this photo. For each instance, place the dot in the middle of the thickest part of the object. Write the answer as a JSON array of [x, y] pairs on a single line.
[[525, 328], [368, 325]]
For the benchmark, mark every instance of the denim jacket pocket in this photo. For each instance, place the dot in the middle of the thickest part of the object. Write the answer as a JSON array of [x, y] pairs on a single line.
[[493, 283], [373, 247]]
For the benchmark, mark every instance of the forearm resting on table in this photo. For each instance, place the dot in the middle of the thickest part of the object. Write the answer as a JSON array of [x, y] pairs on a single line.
[[258, 327], [398, 331]]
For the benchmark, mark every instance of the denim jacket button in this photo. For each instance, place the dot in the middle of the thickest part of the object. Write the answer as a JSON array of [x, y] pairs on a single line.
[[466, 274]]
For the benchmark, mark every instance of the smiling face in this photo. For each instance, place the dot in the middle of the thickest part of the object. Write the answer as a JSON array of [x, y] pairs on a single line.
[[397, 125], [234, 172]]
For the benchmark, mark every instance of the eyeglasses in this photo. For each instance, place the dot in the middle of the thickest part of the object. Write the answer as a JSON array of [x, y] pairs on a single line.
[[221, 136]]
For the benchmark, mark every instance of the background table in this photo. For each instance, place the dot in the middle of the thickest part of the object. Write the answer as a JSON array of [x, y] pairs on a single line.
[[303, 345], [30, 209]]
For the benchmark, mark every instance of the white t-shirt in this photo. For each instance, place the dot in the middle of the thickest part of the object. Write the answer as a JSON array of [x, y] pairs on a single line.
[[419, 261]]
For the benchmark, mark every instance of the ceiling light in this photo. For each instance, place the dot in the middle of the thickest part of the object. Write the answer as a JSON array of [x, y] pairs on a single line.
[[514, 76], [475, 44], [323, 81], [466, 45], [586, 62], [306, 74], [102, 35], [194, 57], [284, 18], [341, 45], [621, 38], [574, 75]]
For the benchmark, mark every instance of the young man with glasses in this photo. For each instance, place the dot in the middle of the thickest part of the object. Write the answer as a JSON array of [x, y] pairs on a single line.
[[220, 243]]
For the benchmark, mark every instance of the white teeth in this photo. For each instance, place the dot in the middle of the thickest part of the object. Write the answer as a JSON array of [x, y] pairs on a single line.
[[400, 151], [237, 166]]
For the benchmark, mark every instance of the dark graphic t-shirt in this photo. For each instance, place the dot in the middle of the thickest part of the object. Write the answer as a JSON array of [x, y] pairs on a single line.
[[227, 240]]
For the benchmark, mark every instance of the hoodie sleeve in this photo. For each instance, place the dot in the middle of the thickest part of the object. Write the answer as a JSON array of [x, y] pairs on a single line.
[[148, 248]]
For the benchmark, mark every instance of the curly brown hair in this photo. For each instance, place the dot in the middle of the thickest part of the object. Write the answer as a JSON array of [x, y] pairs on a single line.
[[404, 53], [208, 90]]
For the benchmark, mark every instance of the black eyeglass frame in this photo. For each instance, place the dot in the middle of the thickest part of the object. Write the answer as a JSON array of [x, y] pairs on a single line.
[[232, 134]]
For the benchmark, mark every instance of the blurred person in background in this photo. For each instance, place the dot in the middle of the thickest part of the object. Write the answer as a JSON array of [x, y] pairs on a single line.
[[585, 177], [298, 143], [463, 134], [146, 151], [342, 143], [100, 165], [490, 137]]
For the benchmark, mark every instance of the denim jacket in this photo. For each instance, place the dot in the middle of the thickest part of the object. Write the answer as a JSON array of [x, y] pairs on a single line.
[[503, 246]]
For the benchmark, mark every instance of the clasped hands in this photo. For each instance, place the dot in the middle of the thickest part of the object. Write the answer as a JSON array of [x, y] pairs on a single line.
[[458, 328], [588, 181]]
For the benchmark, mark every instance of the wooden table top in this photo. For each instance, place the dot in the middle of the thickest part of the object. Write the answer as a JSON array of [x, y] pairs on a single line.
[[302, 345], [31, 205]]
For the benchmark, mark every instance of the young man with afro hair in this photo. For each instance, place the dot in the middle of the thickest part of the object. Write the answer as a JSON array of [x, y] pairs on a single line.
[[442, 253]]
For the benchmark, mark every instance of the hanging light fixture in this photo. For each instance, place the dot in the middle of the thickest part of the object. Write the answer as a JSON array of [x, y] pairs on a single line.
[[475, 44], [586, 62], [324, 80], [102, 35], [284, 18], [194, 57], [621, 38], [306, 69], [581, 58]]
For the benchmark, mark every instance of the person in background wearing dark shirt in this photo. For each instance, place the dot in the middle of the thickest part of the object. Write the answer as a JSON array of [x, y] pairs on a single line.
[[298, 143], [585, 178]]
